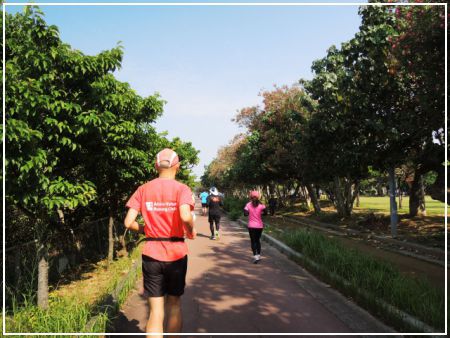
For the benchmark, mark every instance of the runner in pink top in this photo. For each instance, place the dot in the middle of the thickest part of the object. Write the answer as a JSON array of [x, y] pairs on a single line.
[[254, 210]]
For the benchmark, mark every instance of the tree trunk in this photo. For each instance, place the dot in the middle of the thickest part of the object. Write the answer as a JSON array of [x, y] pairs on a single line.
[[287, 195], [379, 188], [340, 195], [297, 189], [357, 199], [400, 195], [42, 292], [314, 199], [352, 193], [266, 192], [61, 216], [317, 189], [422, 206], [307, 197], [416, 195], [393, 202], [110, 239], [281, 201], [345, 194]]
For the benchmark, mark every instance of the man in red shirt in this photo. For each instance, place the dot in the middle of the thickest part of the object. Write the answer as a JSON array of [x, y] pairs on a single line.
[[165, 205]]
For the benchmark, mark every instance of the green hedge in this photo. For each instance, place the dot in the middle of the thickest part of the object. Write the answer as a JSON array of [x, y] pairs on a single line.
[[234, 206], [415, 296]]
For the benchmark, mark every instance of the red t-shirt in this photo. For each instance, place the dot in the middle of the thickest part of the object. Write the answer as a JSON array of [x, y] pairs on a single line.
[[159, 201]]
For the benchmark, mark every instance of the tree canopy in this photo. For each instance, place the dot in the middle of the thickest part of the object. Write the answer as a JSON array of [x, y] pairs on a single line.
[[376, 102]]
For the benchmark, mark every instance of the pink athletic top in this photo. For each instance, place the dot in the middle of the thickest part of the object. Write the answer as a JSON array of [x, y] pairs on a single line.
[[254, 215]]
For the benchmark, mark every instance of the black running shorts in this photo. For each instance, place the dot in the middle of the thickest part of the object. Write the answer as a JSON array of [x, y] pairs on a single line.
[[164, 278], [204, 205], [214, 218]]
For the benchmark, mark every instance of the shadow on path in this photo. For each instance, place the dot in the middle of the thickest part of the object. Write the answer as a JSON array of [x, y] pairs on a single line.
[[227, 293], [235, 295]]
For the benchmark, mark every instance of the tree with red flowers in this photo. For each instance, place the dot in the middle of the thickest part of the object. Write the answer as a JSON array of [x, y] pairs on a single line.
[[418, 60]]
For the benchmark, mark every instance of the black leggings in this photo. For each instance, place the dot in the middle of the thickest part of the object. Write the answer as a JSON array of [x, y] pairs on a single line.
[[255, 239], [214, 219]]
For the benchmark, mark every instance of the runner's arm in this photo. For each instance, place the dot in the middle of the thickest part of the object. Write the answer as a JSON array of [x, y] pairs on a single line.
[[130, 221], [246, 212], [188, 221]]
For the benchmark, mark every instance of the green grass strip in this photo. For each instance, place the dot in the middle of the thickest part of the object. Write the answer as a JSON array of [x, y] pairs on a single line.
[[377, 278], [73, 313]]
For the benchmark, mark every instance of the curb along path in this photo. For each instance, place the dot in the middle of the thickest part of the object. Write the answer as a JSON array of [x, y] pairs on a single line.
[[227, 293]]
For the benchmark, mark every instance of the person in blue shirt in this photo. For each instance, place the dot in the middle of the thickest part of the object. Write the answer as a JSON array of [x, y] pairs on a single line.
[[204, 197]]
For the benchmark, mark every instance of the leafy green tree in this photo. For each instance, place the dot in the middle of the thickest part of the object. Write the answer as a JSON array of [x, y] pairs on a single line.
[[76, 137], [378, 96], [222, 171], [46, 82], [188, 156], [280, 128], [118, 144], [334, 144], [418, 59]]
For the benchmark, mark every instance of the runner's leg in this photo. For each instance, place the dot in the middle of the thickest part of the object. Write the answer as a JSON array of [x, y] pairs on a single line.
[[252, 240], [174, 317], [156, 317], [211, 227], [175, 275], [258, 233], [217, 225], [211, 224]]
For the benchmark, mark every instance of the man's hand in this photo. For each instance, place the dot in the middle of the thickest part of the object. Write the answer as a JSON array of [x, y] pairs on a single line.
[[191, 234], [188, 221], [130, 221]]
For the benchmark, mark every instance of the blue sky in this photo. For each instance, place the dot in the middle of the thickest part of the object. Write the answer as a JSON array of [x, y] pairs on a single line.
[[207, 62]]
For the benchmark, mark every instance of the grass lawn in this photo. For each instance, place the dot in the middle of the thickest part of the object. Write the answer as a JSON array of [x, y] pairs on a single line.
[[381, 204], [373, 215]]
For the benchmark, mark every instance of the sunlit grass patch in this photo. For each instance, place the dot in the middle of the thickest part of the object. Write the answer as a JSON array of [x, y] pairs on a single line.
[[381, 204]]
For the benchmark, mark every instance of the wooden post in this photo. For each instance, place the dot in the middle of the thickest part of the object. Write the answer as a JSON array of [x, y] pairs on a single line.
[[42, 294], [110, 239]]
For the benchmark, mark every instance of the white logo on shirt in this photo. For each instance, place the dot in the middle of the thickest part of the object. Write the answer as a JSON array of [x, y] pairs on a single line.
[[161, 206]]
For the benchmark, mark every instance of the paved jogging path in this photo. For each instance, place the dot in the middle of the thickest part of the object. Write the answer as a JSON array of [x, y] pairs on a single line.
[[227, 293]]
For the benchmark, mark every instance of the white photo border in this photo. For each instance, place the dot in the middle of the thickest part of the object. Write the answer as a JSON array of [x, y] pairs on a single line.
[[210, 4]]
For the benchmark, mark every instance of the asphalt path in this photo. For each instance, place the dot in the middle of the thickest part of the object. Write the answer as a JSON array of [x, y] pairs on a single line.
[[227, 293]]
